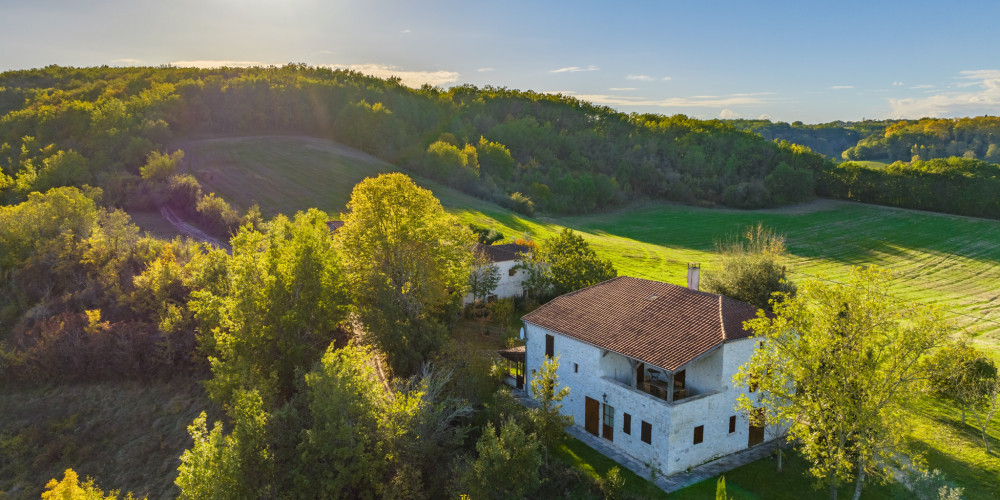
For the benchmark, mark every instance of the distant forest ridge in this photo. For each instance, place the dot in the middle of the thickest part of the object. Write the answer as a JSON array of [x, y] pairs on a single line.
[[522, 149]]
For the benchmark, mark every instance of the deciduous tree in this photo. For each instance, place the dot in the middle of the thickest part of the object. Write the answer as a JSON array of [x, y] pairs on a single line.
[[572, 264], [750, 269], [408, 263], [278, 307], [548, 419], [837, 362]]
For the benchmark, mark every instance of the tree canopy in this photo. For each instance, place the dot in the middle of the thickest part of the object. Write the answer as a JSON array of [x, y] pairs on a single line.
[[408, 263], [835, 363]]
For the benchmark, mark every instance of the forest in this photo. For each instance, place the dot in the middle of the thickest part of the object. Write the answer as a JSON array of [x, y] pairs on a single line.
[[525, 150]]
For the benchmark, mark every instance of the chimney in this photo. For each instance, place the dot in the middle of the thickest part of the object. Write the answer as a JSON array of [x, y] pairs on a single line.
[[694, 273]]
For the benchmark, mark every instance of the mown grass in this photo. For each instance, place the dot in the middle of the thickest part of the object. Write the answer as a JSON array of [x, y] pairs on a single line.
[[126, 435], [955, 449], [761, 480], [950, 261]]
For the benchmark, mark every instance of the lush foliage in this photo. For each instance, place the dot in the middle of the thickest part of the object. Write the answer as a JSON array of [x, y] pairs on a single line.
[[408, 265], [274, 308], [69, 488], [836, 363], [524, 149], [954, 185], [548, 417], [750, 269]]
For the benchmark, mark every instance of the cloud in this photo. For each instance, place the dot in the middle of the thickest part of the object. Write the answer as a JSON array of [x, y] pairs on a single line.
[[982, 97], [897, 84], [406, 31], [406, 77], [574, 69], [126, 62], [764, 116], [620, 89], [702, 101], [924, 86], [217, 64], [667, 78], [728, 114], [641, 78], [485, 70], [842, 87]]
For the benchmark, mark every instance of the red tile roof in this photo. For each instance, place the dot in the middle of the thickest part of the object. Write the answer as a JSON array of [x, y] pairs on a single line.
[[502, 253], [657, 323]]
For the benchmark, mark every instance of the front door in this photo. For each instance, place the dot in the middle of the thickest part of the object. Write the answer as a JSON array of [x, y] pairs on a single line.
[[592, 416], [756, 433]]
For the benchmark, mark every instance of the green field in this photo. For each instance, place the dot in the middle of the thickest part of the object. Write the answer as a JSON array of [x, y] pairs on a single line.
[[939, 259]]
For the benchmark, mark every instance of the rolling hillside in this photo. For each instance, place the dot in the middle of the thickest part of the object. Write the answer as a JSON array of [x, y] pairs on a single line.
[[941, 259]]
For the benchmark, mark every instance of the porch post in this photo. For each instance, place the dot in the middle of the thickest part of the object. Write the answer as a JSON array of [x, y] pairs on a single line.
[[670, 388]]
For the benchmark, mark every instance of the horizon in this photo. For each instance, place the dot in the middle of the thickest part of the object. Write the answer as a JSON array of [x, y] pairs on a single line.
[[783, 61]]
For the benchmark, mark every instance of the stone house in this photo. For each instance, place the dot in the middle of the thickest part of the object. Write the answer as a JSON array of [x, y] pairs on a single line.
[[506, 257], [650, 367]]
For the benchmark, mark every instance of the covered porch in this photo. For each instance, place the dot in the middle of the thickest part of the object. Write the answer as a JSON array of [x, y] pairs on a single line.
[[514, 358]]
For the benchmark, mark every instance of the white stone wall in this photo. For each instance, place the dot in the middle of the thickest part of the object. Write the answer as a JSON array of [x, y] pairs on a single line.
[[705, 374], [588, 380], [509, 286], [712, 411], [587, 373]]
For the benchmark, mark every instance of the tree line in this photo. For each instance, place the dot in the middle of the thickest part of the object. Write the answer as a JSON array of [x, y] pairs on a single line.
[[527, 150]]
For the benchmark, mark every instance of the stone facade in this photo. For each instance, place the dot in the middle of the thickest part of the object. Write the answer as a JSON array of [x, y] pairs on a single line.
[[511, 281], [610, 379]]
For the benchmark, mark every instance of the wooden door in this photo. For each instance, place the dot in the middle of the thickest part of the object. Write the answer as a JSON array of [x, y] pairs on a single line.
[[756, 436], [756, 433], [592, 416]]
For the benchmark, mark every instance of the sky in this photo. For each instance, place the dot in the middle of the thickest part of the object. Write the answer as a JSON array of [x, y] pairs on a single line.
[[785, 61]]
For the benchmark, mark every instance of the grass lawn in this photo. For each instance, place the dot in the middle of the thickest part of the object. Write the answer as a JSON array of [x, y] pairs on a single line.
[[957, 450], [761, 480], [575, 453]]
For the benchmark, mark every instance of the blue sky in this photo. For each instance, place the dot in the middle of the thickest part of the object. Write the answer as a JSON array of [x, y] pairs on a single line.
[[787, 61]]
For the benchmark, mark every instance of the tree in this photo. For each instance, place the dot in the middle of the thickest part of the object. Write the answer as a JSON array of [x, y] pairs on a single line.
[[962, 374], [985, 406], [71, 489], [160, 166], [278, 307], [342, 453], [238, 465], [547, 417], [572, 264], [507, 463], [750, 269], [484, 278], [837, 362], [408, 263]]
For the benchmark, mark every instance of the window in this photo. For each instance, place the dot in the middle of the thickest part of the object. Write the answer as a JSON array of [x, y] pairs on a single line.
[[549, 346], [626, 423], [732, 424], [647, 432], [699, 434], [512, 272], [576, 368]]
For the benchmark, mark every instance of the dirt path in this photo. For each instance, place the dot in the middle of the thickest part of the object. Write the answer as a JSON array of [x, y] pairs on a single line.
[[189, 230]]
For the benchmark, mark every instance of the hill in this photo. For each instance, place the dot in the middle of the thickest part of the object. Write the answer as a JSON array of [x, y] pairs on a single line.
[[941, 259]]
